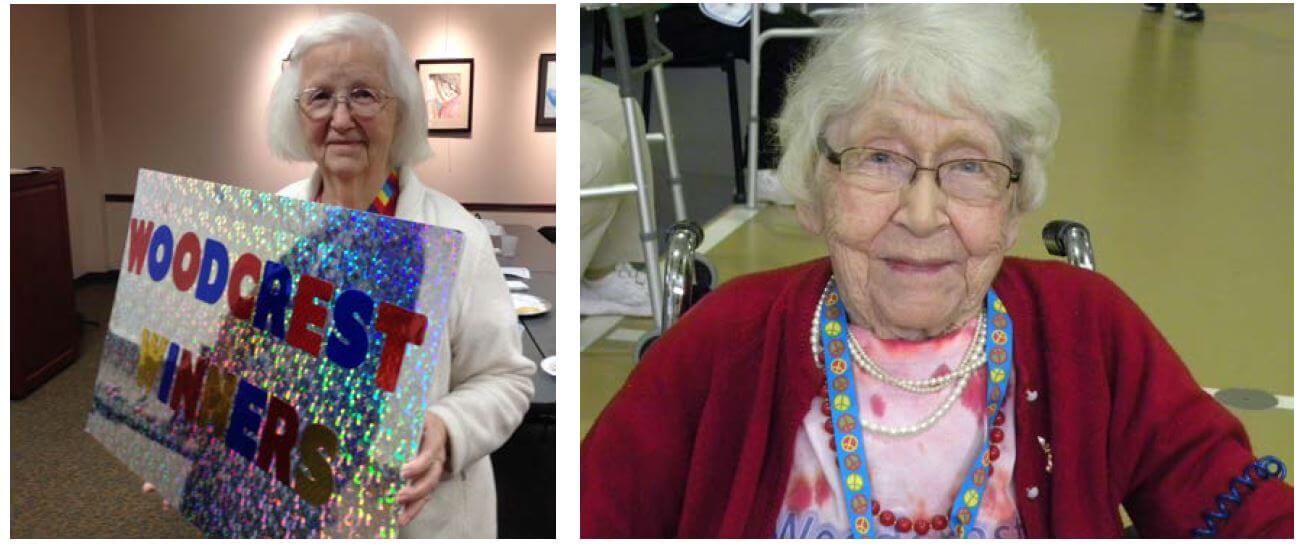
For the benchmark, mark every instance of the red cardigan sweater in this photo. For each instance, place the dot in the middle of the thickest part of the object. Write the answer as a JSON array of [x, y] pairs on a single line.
[[699, 441]]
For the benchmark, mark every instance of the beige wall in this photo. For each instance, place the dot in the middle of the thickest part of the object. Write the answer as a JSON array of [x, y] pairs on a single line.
[[43, 127], [184, 89]]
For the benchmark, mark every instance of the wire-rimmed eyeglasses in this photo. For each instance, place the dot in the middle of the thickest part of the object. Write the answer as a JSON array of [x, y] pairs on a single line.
[[318, 103], [975, 181]]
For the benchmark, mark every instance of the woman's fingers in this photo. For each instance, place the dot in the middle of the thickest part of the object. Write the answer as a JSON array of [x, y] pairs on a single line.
[[415, 496], [425, 485], [420, 487], [147, 488], [424, 471], [418, 466], [411, 511], [432, 446], [420, 463]]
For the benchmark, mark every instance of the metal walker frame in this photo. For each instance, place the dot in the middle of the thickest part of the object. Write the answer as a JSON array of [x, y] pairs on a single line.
[[672, 294]]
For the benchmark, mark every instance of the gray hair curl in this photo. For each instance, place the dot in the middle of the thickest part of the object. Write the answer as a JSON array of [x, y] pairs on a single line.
[[984, 55], [410, 144]]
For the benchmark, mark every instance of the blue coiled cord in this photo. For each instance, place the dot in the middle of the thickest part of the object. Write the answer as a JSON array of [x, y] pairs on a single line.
[[1264, 468]]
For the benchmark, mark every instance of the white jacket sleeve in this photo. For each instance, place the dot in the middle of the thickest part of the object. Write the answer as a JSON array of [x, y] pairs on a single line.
[[490, 380]]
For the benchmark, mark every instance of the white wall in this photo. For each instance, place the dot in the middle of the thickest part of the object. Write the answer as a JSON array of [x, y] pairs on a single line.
[[184, 89]]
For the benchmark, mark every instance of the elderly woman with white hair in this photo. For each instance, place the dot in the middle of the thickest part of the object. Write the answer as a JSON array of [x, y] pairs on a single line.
[[350, 102], [918, 382]]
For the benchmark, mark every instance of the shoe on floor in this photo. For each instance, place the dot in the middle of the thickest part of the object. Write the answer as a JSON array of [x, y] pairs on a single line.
[[1154, 8], [770, 190], [1190, 13], [622, 292]]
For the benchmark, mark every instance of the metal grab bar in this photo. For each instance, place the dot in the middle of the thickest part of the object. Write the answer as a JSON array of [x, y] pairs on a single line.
[[1070, 239], [679, 275], [609, 190]]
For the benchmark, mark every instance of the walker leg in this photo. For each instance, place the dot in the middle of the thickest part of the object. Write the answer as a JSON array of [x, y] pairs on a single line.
[[664, 115], [673, 164], [754, 77], [736, 144], [644, 192]]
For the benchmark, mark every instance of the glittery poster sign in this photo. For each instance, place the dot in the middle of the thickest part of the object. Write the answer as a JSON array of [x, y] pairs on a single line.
[[268, 359]]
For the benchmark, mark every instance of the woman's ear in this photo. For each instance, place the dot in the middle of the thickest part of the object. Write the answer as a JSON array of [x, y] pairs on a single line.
[[1011, 230], [811, 217]]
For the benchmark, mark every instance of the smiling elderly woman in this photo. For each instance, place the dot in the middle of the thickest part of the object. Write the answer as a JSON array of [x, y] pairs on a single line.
[[917, 383], [350, 101]]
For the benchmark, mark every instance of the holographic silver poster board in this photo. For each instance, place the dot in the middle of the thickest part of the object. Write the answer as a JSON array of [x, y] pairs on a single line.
[[268, 359]]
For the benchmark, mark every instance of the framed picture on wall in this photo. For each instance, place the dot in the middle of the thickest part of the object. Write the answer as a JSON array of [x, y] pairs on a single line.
[[546, 94], [447, 90]]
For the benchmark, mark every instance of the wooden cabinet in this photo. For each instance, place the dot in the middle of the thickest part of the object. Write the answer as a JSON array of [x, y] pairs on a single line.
[[44, 328]]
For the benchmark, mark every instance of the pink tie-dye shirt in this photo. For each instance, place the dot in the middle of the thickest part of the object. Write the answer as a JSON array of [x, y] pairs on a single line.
[[918, 475]]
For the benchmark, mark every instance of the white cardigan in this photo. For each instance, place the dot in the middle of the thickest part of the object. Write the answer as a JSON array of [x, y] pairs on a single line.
[[483, 397]]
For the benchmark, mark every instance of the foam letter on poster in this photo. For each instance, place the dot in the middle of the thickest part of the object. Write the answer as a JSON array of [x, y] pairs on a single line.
[[160, 256], [280, 431], [188, 383], [219, 388], [352, 314], [213, 272], [307, 313], [248, 266], [246, 416], [138, 244], [401, 327], [169, 370], [273, 294], [314, 480], [186, 261], [153, 347]]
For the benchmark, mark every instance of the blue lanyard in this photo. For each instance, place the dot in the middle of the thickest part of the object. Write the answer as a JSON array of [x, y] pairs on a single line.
[[846, 416]]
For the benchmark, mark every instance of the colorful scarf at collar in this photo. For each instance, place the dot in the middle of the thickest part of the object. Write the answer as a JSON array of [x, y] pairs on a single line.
[[387, 199]]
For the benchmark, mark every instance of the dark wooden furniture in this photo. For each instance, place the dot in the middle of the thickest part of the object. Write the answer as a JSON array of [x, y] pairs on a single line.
[[44, 328], [525, 466]]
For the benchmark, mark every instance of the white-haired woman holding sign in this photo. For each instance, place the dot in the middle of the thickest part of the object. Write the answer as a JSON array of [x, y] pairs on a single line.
[[349, 100]]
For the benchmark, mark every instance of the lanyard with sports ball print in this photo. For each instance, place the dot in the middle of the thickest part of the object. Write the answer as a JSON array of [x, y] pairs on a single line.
[[851, 448]]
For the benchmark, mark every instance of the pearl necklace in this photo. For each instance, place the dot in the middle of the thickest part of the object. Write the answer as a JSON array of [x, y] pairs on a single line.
[[892, 431], [972, 360]]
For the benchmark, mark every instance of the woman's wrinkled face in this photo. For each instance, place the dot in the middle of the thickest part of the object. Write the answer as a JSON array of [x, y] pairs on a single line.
[[345, 145], [912, 263]]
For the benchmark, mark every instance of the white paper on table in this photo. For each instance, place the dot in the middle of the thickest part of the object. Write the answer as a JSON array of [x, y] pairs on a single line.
[[517, 285], [491, 227], [519, 272]]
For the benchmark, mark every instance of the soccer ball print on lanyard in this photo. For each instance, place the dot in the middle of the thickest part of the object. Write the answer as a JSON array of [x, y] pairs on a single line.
[[268, 360]]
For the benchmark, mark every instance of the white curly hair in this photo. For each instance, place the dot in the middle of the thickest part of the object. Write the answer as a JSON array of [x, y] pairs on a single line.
[[410, 138], [984, 55]]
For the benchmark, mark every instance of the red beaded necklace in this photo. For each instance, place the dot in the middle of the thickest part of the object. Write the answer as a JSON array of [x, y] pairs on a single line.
[[905, 523]]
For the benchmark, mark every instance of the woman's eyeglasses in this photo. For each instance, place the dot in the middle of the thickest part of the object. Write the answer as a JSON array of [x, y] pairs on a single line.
[[979, 182], [318, 104]]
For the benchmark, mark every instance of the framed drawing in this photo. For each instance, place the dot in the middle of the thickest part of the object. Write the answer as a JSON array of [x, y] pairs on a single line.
[[447, 90], [546, 93]]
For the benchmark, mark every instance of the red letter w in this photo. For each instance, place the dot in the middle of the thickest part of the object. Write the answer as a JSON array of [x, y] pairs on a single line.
[[138, 244]]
